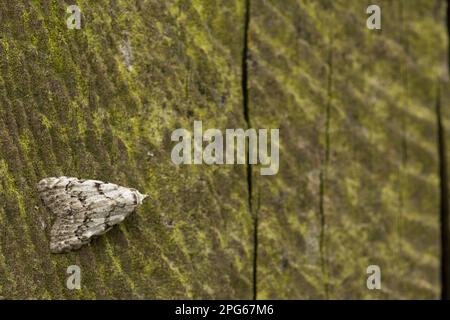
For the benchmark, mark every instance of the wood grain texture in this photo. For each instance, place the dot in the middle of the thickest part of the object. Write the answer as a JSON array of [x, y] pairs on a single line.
[[71, 106]]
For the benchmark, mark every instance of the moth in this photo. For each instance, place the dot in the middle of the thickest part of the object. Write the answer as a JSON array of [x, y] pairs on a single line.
[[84, 209]]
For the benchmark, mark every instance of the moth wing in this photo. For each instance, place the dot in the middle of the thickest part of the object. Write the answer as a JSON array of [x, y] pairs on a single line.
[[84, 209]]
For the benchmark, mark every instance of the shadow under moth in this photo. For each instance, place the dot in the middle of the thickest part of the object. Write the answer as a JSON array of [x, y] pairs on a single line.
[[84, 209]]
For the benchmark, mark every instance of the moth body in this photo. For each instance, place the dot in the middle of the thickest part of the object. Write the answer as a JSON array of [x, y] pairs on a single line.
[[84, 209]]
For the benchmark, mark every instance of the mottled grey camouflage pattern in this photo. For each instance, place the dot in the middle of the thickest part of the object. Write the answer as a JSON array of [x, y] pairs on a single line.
[[84, 209]]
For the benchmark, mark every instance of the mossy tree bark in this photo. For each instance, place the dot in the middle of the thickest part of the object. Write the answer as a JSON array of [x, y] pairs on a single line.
[[358, 181]]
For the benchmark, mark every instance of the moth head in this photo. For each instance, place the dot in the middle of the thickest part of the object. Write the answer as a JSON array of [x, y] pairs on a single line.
[[140, 197]]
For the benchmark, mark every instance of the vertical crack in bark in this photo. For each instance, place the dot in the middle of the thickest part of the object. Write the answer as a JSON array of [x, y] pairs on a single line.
[[404, 42], [323, 175], [444, 195], [249, 166], [245, 63], [448, 35], [444, 205]]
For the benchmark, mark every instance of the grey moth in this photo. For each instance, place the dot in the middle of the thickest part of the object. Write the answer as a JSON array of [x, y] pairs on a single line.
[[84, 209]]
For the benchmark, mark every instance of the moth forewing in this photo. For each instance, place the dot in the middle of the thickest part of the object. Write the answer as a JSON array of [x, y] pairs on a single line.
[[84, 209]]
